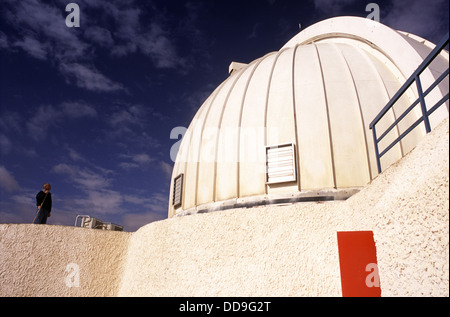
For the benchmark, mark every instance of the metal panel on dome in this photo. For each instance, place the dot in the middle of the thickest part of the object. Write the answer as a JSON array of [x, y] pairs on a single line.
[[280, 164], [177, 191]]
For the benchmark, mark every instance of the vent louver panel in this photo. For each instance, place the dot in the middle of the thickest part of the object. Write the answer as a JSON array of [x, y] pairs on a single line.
[[280, 164], [177, 191]]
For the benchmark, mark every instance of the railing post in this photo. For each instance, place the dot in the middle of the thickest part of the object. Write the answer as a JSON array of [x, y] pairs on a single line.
[[377, 152], [426, 121]]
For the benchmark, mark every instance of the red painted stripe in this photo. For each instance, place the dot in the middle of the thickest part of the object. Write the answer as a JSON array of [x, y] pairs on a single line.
[[358, 264]]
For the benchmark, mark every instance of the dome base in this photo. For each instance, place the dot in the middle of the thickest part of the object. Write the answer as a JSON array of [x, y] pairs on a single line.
[[273, 199]]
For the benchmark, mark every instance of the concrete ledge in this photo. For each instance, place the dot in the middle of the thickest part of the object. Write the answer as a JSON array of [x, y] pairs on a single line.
[[42, 260]]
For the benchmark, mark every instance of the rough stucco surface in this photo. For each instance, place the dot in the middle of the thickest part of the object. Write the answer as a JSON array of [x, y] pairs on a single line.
[[34, 260], [265, 251], [277, 251], [408, 209]]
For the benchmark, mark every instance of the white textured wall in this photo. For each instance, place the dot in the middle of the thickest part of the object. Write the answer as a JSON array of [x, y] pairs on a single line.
[[276, 251], [264, 251], [411, 220], [34, 259]]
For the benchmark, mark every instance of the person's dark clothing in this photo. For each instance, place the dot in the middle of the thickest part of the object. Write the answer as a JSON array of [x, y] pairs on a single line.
[[47, 202], [41, 217]]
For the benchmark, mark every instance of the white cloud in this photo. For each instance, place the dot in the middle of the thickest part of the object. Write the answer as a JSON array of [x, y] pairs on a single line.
[[193, 100], [156, 202], [166, 168], [32, 47], [8, 182], [5, 144], [426, 19], [47, 116], [128, 165], [102, 201], [4, 43], [138, 200], [84, 178], [131, 35], [41, 23], [20, 207], [332, 6], [95, 195], [99, 35], [157, 44], [128, 116], [41, 32], [142, 158], [25, 197], [88, 77], [132, 221], [11, 130], [78, 109], [254, 33], [135, 161], [75, 156], [11, 122], [128, 125]]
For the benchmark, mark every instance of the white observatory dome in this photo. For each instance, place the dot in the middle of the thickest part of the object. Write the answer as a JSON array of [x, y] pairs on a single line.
[[293, 125]]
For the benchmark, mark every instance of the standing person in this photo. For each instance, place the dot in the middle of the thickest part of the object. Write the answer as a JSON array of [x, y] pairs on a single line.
[[44, 204]]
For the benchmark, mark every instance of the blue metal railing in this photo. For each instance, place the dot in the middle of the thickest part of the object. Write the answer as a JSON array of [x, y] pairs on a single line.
[[421, 100]]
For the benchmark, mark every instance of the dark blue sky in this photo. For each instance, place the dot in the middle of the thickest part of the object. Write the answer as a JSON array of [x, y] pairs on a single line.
[[90, 109]]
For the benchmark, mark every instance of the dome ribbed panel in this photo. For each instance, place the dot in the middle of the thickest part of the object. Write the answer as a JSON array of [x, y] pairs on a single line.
[[349, 152], [186, 157], [314, 148], [358, 87], [251, 163], [280, 120], [372, 93], [226, 168], [208, 145], [194, 147]]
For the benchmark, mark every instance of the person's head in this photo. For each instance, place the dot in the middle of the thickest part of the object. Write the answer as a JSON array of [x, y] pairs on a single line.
[[46, 187]]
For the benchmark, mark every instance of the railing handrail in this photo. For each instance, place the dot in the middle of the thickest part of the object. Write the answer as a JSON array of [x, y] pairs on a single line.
[[421, 100], [435, 52]]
